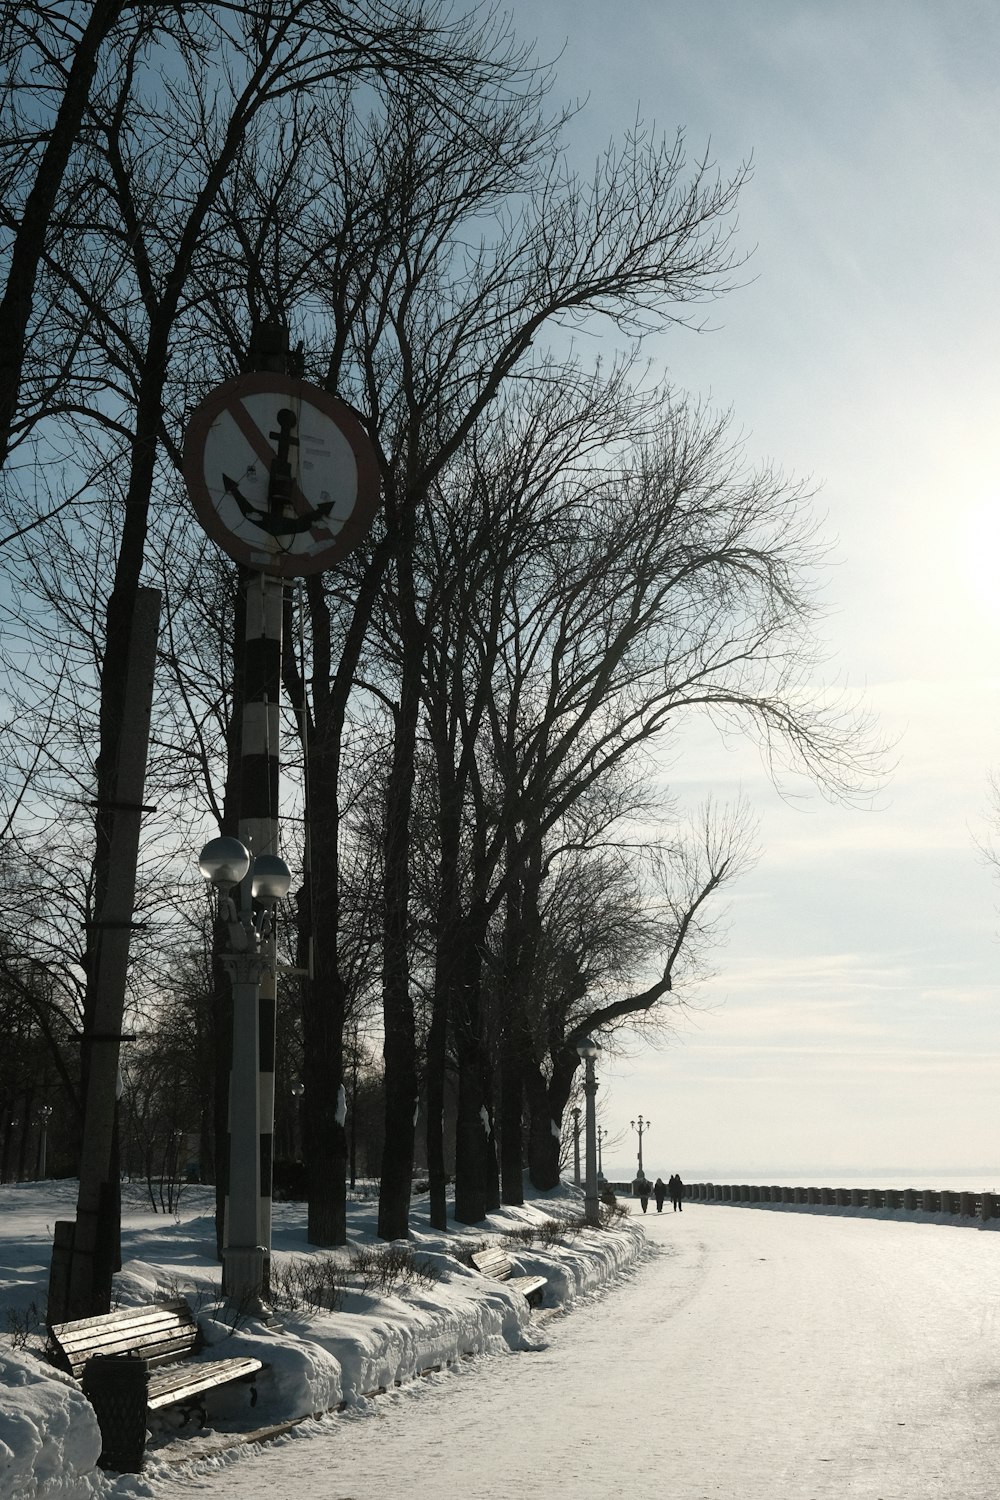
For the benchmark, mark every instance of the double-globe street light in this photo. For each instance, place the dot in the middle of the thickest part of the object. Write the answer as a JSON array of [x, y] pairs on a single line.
[[225, 862], [588, 1049]]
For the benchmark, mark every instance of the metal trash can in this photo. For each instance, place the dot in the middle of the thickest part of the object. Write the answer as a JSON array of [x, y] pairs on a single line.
[[116, 1386]]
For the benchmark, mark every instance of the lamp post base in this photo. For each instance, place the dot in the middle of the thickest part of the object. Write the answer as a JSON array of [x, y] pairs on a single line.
[[243, 1277]]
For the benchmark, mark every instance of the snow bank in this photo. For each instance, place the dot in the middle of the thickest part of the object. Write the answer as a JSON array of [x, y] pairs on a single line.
[[49, 1437], [317, 1360]]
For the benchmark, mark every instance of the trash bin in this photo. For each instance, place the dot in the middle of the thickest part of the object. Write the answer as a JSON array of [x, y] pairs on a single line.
[[116, 1387]]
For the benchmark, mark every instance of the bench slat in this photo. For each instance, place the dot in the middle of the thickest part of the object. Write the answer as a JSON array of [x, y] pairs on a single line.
[[166, 1354], [157, 1345], [153, 1338], [499, 1267], [176, 1311], [177, 1383], [157, 1333], [527, 1284], [492, 1263], [132, 1338]]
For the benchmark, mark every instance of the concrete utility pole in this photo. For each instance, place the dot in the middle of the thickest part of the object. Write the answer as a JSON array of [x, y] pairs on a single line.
[[84, 1252]]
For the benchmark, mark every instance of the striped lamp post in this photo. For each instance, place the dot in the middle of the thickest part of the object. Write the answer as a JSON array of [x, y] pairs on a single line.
[[258, 830], [248, 956]]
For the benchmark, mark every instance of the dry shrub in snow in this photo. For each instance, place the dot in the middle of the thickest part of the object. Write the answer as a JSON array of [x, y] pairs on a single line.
[[308, 1281], [383, 1268]]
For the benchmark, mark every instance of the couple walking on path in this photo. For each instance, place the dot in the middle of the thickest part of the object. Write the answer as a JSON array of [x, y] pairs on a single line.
[[672, 1187]]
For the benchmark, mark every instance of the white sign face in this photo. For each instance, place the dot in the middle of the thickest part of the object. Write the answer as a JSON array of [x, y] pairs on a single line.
[[281, 474]]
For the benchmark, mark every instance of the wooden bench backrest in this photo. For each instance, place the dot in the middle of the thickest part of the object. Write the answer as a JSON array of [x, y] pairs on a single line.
[[492, 1263], [160, 1333]]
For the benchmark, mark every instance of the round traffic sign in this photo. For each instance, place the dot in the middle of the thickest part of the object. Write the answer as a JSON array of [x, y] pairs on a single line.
[[281, 474]]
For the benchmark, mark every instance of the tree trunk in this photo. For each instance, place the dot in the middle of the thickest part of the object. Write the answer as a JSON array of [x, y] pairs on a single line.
[[437, 1053], [492, 1164], [543, 1142], [473, 1140], [547, 1103], [448, 946], [324, 1132], [474, 1132], [521, 941], [400, 1047], [511, 1113], [324, 995], [325, 1146]]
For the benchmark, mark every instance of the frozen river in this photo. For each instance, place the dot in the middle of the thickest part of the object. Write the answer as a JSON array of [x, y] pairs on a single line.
[[753, 1355]]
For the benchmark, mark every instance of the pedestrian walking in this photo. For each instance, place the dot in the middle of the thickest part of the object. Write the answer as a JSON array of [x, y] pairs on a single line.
[[641, 1187], [659, 1192], [676, 1189]]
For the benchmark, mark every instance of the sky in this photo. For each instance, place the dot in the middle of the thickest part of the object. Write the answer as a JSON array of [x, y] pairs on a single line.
[[852, 1022]]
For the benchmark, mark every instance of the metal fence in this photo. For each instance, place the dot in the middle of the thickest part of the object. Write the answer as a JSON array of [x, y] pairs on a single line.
[[979, 1205]]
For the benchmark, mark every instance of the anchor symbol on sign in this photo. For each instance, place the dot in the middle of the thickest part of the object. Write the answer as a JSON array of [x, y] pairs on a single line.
[[280, 488]]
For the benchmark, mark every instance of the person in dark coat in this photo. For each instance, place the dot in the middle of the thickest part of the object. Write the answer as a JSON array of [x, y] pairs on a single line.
[[641, 1188], [676, 1188], [660, 1192]]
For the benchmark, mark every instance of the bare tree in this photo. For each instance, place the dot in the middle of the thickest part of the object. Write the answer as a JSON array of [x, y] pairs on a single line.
[[50, 55], [489, 242], [611, 600], [588, 972]]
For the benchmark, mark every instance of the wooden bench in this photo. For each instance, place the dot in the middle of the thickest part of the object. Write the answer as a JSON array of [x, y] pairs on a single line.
[[162, 1340], [498, 1267]]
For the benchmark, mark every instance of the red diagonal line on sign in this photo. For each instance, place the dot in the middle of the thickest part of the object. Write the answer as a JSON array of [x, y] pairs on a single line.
[[263, 450]]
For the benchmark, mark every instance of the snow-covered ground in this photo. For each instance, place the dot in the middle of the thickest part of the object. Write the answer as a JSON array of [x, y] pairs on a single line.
[[751, 1354], [317, 1360]]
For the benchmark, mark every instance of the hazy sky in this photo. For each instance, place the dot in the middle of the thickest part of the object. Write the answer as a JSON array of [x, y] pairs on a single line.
[[854, 1019]]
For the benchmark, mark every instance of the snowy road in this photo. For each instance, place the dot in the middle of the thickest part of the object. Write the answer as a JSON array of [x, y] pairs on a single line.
[[754, 1356]]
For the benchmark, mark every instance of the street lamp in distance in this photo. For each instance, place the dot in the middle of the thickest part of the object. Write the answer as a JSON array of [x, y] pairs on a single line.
[[588, 1049], [641, 1126], [45, 1115]]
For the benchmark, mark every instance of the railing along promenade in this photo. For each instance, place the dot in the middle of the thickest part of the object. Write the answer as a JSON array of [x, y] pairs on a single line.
[[981, 1206]]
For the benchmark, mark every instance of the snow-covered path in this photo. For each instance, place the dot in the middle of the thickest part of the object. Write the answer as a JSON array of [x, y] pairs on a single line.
[[755, 1355]]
